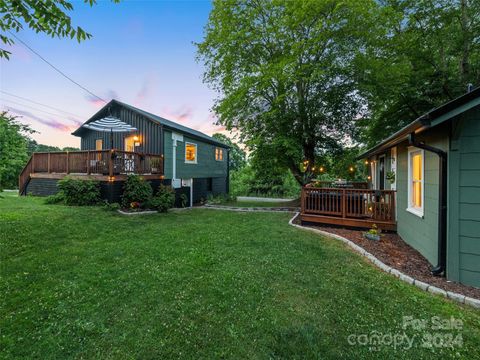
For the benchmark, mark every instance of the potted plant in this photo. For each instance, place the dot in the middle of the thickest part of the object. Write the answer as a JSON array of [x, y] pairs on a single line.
[[373, 233], [390, 177]]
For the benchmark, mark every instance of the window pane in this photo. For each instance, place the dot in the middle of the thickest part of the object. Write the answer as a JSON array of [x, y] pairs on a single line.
[[218, 154], [417, 194], [417, 167], [190, 152]]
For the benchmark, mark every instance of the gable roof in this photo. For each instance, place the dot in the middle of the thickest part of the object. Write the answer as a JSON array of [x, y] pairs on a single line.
[[157, 119], [434, 117]]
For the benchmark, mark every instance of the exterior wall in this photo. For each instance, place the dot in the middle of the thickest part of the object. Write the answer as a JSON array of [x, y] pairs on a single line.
[[421, 233], [42, 187], [149, 132], [201, 189], [206, 165], [463, 244]]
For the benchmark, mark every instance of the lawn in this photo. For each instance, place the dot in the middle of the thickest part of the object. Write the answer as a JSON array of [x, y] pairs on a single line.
[[86, 283]]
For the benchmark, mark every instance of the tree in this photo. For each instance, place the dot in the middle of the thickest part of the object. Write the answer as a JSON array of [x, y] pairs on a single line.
[[283, 73], [237, 156], [425, 54], [13, 149], [47, 16]]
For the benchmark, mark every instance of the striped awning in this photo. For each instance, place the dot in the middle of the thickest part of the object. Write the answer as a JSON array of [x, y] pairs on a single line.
[[109, 124]]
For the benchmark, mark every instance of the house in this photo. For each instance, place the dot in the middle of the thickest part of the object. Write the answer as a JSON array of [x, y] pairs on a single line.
[[161, 151], [424, 182], [435, 163]]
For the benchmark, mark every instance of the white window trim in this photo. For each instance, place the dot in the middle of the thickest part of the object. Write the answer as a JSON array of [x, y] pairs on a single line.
[[196, 153], [221, 149], [411, 209]]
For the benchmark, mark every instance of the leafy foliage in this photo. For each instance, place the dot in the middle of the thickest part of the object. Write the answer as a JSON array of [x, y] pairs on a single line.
[[136, 189], [79, 192], [237, 157], [13, 149], [58, 198], [46, 16], [248, 182], [164, 199], [283, 73], [33, 146], [422, 54]]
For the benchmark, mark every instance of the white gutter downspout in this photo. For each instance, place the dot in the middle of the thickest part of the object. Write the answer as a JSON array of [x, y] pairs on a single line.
[[175, 138]]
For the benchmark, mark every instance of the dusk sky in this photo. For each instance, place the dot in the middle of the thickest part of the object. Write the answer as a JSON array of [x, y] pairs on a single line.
[[141, 53]]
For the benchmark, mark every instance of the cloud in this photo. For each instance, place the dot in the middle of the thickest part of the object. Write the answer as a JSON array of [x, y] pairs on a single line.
[[108, 95], [183, 114], [52, 123], [146, 90]]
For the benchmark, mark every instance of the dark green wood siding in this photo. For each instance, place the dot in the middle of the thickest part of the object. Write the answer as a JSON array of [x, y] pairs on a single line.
[[463, 253], [421, 233], [150, 133], [206, 166]]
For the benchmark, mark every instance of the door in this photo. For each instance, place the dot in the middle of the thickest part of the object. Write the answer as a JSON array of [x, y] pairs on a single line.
[[129, 144], [129, 159], [381, 175]]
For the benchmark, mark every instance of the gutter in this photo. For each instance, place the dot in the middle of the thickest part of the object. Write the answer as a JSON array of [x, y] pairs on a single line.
[[442, 204]]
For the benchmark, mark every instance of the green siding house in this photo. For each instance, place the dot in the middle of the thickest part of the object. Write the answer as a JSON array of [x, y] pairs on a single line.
[[160, 150], [436, 165]]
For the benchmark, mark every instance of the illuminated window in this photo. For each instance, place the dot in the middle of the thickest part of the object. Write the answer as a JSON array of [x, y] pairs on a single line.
[[415, 181], [218, 154], [190, 153], [99, 147]]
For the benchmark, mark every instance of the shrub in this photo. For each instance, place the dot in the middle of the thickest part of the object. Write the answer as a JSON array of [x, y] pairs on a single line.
[[164, 199], [220, 199], [136, 190], [79, 192], [58, 198], [111, 206], [183, 200]]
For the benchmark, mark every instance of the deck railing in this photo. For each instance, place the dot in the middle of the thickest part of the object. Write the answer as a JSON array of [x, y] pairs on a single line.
[[99, 162], [376, 205]]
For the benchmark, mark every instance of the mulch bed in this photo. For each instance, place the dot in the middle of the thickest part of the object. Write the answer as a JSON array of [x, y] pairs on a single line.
[[395, 252]]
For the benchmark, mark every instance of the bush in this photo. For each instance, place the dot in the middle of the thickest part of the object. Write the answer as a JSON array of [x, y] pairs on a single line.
[[79, 192], [221, 199], [58, 198], [164, 199], [136, 190], [111, 206], [183, 200]]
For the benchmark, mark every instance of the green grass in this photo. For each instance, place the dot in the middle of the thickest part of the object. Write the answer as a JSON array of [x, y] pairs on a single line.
[[86, 283], [253, 204]]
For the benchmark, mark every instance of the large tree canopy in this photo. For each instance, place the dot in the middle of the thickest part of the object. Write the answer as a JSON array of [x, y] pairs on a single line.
[[47, 16], [13, 149], [283, 73], [424, 53]]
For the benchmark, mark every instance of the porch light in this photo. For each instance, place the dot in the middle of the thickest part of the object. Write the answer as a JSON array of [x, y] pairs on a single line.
[[136, 141], [111, 178], [321, 169], [136, 138], [369, 177], [366, 162]]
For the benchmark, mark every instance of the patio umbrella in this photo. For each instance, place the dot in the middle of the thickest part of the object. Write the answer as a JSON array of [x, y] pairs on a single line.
[[110, 124]]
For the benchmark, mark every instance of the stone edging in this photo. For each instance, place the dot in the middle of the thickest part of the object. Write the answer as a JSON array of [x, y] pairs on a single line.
[[250, 209], [147, 212], [398, 274]]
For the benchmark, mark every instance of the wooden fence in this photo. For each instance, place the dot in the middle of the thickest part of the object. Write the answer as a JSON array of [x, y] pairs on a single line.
[[94, 162], [357, 204]]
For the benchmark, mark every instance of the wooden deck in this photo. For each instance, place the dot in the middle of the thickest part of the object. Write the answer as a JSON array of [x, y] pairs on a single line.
[[103, 165], [349, 207]]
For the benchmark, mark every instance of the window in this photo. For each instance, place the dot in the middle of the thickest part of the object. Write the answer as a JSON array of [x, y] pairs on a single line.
[[218, 154], [99, 147], [190, 153], [415, 181]]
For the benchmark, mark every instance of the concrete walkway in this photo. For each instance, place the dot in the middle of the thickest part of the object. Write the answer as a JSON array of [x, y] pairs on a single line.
[[261, 199]]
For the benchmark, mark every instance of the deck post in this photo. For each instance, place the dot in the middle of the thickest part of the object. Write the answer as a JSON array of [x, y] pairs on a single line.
[[33, 162], [48, 163], [344, 203], [302, 200], [68, 163], [88, 162], [110, 164]]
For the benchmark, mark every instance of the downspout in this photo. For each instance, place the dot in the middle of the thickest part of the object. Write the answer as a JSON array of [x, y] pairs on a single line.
[[442, 203]]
